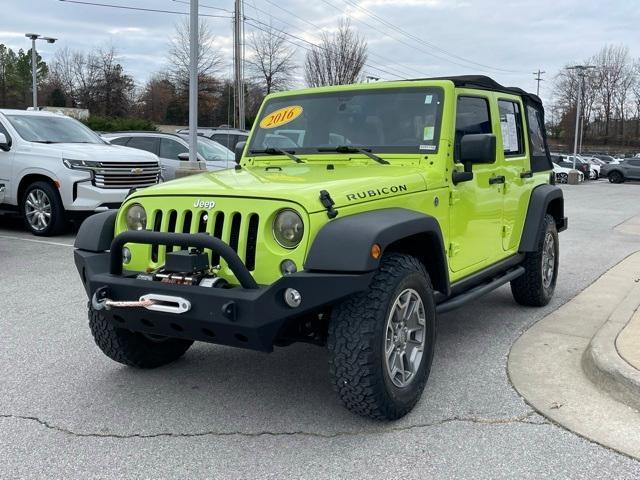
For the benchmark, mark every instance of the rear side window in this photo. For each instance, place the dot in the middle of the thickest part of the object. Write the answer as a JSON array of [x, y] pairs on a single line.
[[633, 163], [224, 139], [511, 126], [171, 149], [150, 144], [472, 117], [119, 141], [535, 132]]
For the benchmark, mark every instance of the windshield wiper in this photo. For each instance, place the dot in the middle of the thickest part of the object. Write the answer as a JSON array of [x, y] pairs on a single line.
[[44, 141], [278, 151], [354, 149]]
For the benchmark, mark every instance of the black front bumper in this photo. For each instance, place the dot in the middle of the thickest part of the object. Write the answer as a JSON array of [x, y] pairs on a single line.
[[252, 317]]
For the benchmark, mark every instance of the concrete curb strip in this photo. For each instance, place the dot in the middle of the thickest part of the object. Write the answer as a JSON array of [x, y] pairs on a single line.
[[567, 366], [602, 362]]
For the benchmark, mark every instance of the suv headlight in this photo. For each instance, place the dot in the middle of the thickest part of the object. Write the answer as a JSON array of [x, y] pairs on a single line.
[[136, 217], [288, 228], [81, 164]]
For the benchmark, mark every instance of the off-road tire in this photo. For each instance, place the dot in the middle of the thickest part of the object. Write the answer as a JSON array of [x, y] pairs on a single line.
[[616, 177], [57, 222], [356, 341], [529, 289], [133, 348]]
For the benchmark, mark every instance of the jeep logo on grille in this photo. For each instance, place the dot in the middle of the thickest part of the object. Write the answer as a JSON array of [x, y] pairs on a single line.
[[202, 204]]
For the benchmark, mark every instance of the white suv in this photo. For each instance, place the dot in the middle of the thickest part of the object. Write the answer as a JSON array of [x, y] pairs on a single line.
[[53, 167]]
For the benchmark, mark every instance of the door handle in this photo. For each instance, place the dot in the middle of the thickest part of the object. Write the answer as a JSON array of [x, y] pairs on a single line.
[[496, 179], [528, 174]]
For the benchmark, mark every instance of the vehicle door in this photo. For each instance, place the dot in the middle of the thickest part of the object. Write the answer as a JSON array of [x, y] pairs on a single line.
[[632, 169], [514, 165], [169, 156], [476, 205], [6, 166]]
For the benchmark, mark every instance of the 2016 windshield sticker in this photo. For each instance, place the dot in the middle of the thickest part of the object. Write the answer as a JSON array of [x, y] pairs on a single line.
[[281, 116], [378, 192]]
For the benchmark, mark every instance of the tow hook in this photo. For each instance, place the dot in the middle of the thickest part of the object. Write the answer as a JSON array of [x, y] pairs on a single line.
[[159, 303]]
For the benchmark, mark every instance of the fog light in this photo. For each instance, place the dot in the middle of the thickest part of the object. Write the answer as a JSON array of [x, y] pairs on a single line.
[[126, 255], [287, 267], [292, 297]]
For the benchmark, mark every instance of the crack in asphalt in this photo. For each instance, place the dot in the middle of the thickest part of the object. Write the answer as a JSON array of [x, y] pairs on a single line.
[[522, 419]]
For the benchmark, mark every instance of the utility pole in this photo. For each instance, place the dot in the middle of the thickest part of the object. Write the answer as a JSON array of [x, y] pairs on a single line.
[[539, 79], [34, 63], [581, 70], [238, 55]]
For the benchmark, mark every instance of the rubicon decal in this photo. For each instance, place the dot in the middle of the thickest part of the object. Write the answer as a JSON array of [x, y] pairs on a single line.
[[376, 192]]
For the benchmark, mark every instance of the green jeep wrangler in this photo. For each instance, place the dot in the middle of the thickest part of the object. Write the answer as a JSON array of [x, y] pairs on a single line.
[[354, 215]]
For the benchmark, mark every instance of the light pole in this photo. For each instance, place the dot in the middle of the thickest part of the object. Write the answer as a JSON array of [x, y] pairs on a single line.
[[193, 83], [34, 60], [580, 69]]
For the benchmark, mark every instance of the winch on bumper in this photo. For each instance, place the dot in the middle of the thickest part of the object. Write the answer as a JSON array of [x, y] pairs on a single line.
[[249, 316]]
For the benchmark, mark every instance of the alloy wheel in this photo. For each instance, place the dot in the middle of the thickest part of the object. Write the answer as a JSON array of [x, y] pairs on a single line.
[[548, 260], [405, 338], [37, 209]]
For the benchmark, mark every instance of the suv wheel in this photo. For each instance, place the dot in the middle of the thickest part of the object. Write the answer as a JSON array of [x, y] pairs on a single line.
[[616, 177], [381, 341], [562, 178], [42, 210], [536, 286], [132, 348]]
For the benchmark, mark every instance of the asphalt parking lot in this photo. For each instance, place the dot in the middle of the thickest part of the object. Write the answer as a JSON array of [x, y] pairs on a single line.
[[69, 412]]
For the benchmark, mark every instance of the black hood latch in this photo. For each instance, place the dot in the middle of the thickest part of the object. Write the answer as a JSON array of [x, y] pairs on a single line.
[[328, 203]]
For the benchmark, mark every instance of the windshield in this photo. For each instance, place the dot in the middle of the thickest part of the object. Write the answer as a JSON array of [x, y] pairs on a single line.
[[403, 120], [213, 151], [52, 129]]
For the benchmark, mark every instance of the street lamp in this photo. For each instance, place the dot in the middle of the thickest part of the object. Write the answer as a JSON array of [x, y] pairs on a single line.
[[34, 37], [580, 69]]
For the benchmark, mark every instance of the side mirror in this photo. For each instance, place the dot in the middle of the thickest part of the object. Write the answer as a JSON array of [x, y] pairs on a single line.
[[5, 145], [183, 156], [239, 150], [477, 148]]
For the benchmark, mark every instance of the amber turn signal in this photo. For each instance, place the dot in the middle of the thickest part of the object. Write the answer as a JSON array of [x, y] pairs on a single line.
[[376, 251]]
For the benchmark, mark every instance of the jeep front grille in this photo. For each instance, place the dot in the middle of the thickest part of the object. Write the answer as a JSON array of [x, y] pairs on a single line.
[[238, 230], [112, 175]]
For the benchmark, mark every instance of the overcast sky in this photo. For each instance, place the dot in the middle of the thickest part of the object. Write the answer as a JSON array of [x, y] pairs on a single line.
[[507, 39]]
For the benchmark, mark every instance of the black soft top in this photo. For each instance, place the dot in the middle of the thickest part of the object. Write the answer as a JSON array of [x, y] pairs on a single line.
[[485, 83]]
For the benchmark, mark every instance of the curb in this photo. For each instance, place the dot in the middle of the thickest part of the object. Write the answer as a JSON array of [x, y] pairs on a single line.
[[602, 362]]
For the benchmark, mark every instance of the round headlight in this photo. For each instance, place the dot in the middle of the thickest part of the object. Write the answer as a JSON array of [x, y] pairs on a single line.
[[136, 217], [288, 228]]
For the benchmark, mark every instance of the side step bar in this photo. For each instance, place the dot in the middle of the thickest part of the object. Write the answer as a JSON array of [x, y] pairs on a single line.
[[465, 297]]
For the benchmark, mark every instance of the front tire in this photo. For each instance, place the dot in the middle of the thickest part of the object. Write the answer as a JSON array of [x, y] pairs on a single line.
[[133, 348], [381, 341], [42, 210], [536, 286]]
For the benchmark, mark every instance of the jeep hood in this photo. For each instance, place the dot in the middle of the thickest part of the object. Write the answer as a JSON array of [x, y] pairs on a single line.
[[300, 183]]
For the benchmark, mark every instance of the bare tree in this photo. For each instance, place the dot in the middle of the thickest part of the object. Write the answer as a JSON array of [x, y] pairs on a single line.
[[611, 65], [209, 58], [271, 61], [339, 58]]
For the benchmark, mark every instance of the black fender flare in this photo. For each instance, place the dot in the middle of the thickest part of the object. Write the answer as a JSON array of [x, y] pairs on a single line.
[[544, 199], [344, 244], [96, 232]]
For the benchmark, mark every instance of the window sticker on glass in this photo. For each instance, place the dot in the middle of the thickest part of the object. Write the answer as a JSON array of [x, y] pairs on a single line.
[[428, 99], [428, 133], [281, 116], [509, 133], [427, 147]]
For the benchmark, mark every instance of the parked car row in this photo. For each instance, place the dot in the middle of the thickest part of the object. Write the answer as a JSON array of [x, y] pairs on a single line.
[[596, 166], [53, 168]]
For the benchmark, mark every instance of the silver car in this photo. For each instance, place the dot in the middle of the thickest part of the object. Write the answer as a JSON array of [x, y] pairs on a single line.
[[173, 149]]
